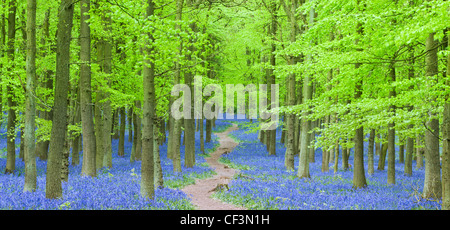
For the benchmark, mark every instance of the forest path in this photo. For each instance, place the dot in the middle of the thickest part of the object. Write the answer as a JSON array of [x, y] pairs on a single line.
[[200, 192]]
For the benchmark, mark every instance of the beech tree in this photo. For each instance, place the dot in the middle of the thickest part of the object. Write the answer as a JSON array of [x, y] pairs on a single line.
[[59, 123], [89, 141]]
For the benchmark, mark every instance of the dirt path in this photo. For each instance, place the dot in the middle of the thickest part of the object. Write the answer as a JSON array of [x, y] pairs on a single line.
[[201, 191]]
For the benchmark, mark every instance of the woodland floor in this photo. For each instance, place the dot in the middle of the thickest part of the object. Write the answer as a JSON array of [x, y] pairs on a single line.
[[201, 191]]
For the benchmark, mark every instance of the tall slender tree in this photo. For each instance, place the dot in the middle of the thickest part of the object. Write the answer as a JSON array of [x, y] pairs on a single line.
[[391, 130], [11, 126], [432, 185], [446, 142], [30, 113], [147, 171], [87, 122], [303, 170], [59, 126], [359, 177]]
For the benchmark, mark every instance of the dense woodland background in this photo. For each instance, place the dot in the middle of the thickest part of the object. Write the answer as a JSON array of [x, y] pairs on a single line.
[[82, 73]]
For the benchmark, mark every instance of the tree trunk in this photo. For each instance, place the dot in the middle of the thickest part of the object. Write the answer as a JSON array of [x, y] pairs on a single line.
[[432, 185], [2, 43], [409, 154], [134, 142], [99, 134], [47, 83], [359, 177], [401, 153], [30, 104], [159, 182], [138, 133], [370, 152], [65, 160], [147, 168], [326, 152], [419, 153], [345, 152], [272, 80], [290, 122], [391, 133], [446, 144], [87, 122], [336, 156], [378, 145], [130, 124], [104, 49], [189, 128], [76, 145], [312, 149], [189, 123], [382, 159], [115, 124], [202, 136], [303, 170], [59, 126], [11, 126], [162, 131], [121, 148], [208, 134], [410, 140]]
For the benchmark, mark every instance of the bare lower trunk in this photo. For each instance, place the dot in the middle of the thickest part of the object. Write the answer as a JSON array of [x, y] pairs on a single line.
[[370, 152], [446, 145], [121, 148], [59, 126], [87, 123], [147, 169], [419, 153], [11, 126], [30, 104], [432, 185]]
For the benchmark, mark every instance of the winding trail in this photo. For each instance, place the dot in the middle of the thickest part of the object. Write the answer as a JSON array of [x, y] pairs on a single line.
[[201, 191]]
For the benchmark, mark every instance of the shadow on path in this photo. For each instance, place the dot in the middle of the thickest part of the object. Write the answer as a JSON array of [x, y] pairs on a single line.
[[200, 192]]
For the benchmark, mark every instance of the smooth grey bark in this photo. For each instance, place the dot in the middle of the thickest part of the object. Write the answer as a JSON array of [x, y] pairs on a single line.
[[177, 123], [147, 168], [446, 143], [291, 119], [370, 152], [59, 126], [76, 140], [159, 181], [30, 103], [409, 154], [86, 109], [359, 177], [104, 53], [138, 133], [420, 151], [303, 169], [345, 153], [135, 136], [189, 123], [410, 140], [391, 132], [46, 82], [99, 133], [382, 158], [432, 185], [272, 79]]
